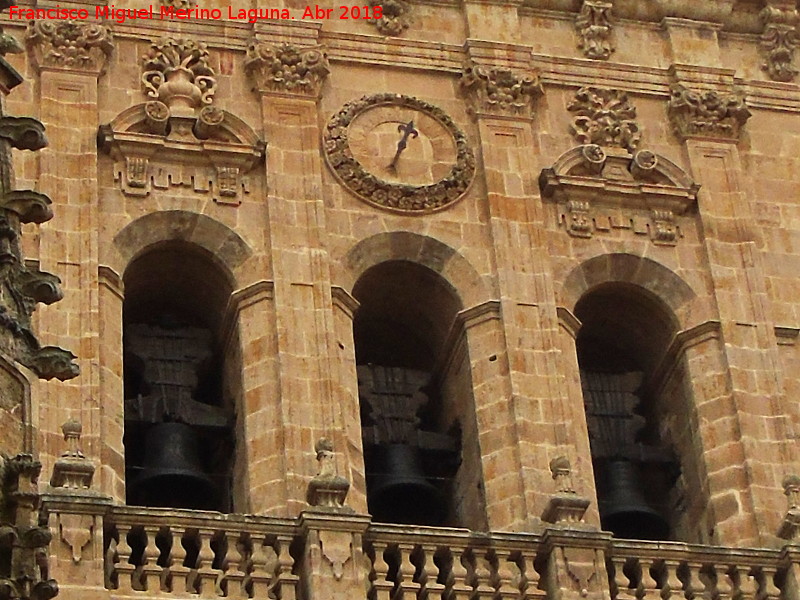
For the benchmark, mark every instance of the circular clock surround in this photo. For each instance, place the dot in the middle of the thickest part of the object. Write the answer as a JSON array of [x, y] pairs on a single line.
[[432, 172]]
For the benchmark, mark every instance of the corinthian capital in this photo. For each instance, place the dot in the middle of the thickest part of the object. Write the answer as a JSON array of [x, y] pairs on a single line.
[[286, 68], [499, 90], [707, 114], [70, 45]]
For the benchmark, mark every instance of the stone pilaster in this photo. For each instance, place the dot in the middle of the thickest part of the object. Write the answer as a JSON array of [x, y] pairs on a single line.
[[748, 406]]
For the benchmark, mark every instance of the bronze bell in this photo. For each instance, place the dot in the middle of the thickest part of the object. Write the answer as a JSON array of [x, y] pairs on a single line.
[[401, 493], [173, 476], [625, 511]]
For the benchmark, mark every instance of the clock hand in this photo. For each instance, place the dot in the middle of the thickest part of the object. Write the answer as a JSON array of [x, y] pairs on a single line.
[[408, 131]]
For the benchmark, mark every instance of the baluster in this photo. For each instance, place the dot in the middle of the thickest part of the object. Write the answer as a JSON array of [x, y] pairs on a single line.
[[178, 573], [205, 577], [481, 575], [407, 588], [259, 573], [459, 589], [672, 584], [745, 585], [503, 577], [723, 584], [648, 586], [381, 586], [622, 584], [768, 590], [233, 580], [150, 569], [529, 579], [285, 581], [430, 589], [125, 569], [694, 586], [110, 564]]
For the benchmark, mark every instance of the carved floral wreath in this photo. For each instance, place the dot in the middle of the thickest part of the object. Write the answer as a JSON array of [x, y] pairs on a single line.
[[398, 197]]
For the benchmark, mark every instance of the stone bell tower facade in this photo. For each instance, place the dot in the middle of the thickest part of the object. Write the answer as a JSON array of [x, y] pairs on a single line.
[[405, 299]]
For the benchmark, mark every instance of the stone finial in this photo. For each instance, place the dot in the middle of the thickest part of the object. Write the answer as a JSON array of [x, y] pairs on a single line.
[[286, 68], [790, 526], [604, 117], [327, 490], [707, 113], [593, 24], [70, 45], [177, 74], [780, 39], [566, 506], [500, 90], [73, 470]]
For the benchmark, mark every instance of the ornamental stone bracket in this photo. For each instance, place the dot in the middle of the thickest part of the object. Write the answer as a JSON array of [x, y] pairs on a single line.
[[209, 154], [594, 27], [70, 45], [606, 184], [499, 91], [706, 114], [396, 16], [780, 39], [286, 69]]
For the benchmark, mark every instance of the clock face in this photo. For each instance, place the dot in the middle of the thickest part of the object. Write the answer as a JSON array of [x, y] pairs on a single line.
[[400, 153]]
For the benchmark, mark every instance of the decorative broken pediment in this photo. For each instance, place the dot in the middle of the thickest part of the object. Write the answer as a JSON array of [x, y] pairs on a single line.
[[210, 153], [706, 113], [601, 189], [500, 90]]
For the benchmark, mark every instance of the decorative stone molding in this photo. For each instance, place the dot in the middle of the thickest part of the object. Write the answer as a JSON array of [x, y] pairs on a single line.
[[780, 39], [566, 506], [209, 154], [327, 490], [499, 90], [602, 190], [398, 196], [604, 117], [286, 68], [707, 113], [70, 45], [177, 74], [594, 27], [396, 16]]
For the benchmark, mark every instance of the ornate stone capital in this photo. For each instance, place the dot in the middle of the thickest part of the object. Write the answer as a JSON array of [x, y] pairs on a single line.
[[500, 90], [177, 74], [707, 113], [70, 45], [780, 39], [594, 27], [396, 16], [604, 117], [286, 68]]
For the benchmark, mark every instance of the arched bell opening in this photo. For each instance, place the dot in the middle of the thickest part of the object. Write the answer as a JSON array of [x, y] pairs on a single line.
[[178, 420], [624, 336], [413, 387]]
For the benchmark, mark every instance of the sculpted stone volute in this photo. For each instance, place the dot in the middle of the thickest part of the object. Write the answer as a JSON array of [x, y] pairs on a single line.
[[707, 113], [79, 46], [286, 68]]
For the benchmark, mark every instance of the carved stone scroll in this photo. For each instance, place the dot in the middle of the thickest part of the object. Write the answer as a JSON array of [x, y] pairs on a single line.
[[780, 39], [593, 24], [706, 113], [500, 90]]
